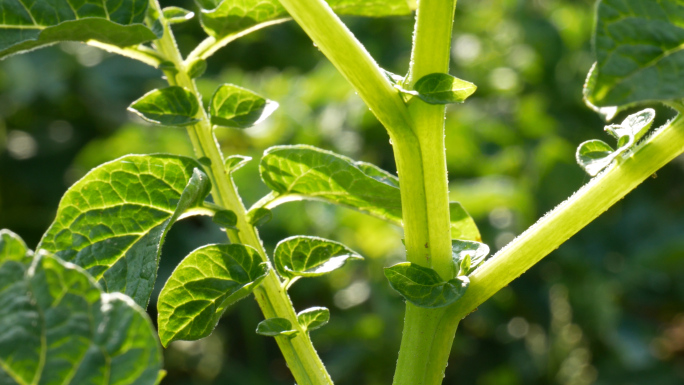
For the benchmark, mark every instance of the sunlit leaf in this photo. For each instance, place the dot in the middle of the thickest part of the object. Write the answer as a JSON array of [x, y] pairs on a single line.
[[313, 318], [439, 88], [170, 106], [303, 256], [235, 162], [57, 327], [233, 106], [203, 285], [196, 68], [474, 253], [176, 15], [113, 221], [594, 155], [423, 286], [274, 327]]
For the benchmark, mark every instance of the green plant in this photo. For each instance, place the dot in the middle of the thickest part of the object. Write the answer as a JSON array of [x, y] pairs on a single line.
[[112, 222]]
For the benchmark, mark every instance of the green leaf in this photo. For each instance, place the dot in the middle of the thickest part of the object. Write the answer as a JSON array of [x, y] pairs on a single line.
[[313, 318], [225, 218], [171, 106], [423, 287], [260, 216], [237, 107], [304, 256], [639, 51], [439, 88], [274, 327], [57, 327], [305, 172], [196, 68], [232, 17], [633, 128], [28, 25], [594, 155], [114, 220], [235, 162], [472, 253], [176, 15], [203, 285]]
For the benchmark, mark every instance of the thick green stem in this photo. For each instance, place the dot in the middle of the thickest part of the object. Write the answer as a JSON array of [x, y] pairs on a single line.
[[271, 296]]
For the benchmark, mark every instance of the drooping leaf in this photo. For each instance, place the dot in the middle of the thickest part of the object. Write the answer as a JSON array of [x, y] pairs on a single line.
[[274, 327], [203, 285], [440, 88], [304, 256], [57, 327], [228, 17], [305, 172], [113, 221], [27, 25], [473, 253], [594, 155], [639, 52], [313, 318], [237, 107], [423, 286], [170, 106], [176, 15]]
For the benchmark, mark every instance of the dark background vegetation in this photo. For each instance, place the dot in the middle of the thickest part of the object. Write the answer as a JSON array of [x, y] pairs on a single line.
[[605, 308]]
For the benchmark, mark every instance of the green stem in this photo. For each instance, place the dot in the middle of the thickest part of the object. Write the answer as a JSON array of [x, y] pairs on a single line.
[[273, 299], [571, 216]]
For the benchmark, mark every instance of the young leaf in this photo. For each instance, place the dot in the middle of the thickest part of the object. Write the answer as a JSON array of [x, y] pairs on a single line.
[[203, 285], [237, 107], [176, 15], [235, 162], [30, 25], [633, 128], [225, 218], [170, 106], [439, 88], [113, 221], [313, 318], [474, 253], [274, 327], [196, 68], [594, 155], [423, 287], [303, 256], [260, 216], [56, 326], [638, 50], [305, 172]]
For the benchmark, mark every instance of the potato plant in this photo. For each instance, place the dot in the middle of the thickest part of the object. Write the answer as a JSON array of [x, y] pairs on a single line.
[[74, 309]]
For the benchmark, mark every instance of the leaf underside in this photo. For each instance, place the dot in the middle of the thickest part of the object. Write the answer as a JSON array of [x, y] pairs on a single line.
[[113, 221], [274, 327], [423, 286], [170, 106], [440, 88], [313, 318], [304, 256]]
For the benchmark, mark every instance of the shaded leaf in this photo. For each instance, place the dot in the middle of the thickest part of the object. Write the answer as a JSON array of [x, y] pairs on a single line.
[[468, 255], [313, 318], [304, 256], [176, 15], [203, 285], [439, 88], [170, 106], [260, 216], [113, 221], [594, 155], [274, 327], [423, 287], [225, 218], [306, 172], [237, 107], [33, 24], [196, 68], [57, 327]]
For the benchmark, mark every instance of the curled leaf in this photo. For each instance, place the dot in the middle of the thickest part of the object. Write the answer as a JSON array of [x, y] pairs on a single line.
[[313, 318], [275, 327], [170, 106], [423, 286], [304, 256]]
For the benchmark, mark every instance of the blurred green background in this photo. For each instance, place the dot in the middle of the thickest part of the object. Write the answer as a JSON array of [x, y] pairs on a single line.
[[605, 308]]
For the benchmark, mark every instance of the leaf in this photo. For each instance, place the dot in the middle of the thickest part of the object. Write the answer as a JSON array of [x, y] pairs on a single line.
[[313, 318], [176, 15], [639, 50], [232, 17], [203, 285], [306, 172], [57, 327], [633, 128], [594, 155], [474, 253], [196, 68], [274, 327], [170, 106], [304, 256], [423, 287], [237, 107], [28, 25], [235, 162], [439, 88], [260, 216], [225, 218], [114, 220]]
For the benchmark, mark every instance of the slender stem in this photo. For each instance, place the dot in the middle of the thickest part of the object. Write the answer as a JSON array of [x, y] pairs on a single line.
[[571, 216], [273, 299]]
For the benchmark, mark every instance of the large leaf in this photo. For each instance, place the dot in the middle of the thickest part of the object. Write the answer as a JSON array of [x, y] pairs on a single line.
[[170, 106], [57, 327], [305, 172], [28, 24], [303, 256], [227, 17], [113, 221], [205, 283], [237, 107], [639, 52], [423, 286]]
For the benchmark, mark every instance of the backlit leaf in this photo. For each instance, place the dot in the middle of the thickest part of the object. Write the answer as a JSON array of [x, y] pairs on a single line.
[[233, 106], [474, 252], [313, 318], [439, 88], [274, 327], [203, 285], [176, 15], [303, 256], [170, 106], [423, 287], [113, 221], [594, 156]]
